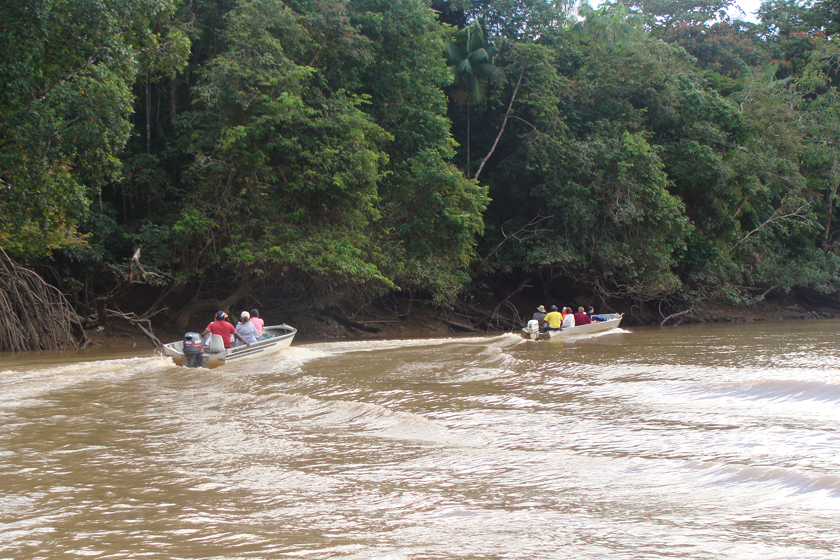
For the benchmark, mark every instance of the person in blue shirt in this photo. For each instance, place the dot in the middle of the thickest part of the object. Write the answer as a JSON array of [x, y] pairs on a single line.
[[246, 330]]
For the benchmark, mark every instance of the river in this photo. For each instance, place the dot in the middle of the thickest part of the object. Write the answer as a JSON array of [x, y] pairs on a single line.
[[700, 442]]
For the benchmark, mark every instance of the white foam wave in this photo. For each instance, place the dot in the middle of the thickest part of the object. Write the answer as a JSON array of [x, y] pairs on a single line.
[[795, 482], [784, 390], [21, 386]]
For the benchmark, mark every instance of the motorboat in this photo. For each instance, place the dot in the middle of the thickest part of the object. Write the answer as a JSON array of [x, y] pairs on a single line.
[[193, 352], [532, 331]]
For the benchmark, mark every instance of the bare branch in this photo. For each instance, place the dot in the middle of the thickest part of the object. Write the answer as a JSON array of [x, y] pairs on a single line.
[[521, 235], [775, 218], [675, 315], [504, 124]]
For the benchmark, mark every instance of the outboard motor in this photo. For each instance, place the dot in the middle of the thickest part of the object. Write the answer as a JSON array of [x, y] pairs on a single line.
[[193, 349], [533, 328]]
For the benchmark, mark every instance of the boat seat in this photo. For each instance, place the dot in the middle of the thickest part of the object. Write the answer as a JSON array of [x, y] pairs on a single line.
[[217, 344]]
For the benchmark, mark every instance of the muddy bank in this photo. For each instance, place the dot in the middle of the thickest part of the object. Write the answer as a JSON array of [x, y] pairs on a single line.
[[415, 319], [424, 322]]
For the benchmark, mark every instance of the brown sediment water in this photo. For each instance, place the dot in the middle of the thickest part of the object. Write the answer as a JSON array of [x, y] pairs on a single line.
[[703, 441]]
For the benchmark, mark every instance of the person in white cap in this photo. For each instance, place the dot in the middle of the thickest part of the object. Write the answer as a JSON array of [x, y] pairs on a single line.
[[246, 329]]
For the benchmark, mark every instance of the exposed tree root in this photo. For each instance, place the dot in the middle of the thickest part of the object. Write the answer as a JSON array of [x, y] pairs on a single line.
[[33, 314]]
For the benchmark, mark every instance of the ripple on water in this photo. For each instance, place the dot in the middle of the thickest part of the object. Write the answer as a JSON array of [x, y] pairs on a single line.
[[708, 442]]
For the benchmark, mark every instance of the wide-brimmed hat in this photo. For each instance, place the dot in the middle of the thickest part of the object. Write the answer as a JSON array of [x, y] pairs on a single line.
[[541, 309]]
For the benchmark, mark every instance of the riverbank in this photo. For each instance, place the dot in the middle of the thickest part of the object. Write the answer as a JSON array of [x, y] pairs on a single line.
[[413, 319]]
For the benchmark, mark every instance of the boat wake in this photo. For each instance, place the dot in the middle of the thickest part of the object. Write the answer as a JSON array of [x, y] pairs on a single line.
[[367, 419], [19, 387], [792, 481]]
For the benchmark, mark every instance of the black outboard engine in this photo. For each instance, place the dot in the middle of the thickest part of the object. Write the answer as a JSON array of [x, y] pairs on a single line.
[[193, 349]]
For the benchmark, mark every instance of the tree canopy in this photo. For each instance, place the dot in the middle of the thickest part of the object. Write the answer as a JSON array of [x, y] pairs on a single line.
[[339, 150]]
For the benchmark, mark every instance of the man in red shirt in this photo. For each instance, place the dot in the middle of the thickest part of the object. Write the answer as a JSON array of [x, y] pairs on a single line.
[[581, 318], [223, 329]]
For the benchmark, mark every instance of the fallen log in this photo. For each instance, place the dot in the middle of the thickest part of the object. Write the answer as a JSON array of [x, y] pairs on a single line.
[[675, 315], [141, 322], [458, 326], [351, 323]]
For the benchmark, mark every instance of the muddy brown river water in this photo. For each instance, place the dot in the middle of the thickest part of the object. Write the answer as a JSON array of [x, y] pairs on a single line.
[[697, 442]]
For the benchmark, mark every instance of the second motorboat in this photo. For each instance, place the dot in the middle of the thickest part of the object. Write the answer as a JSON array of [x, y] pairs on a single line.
[[532, 331]]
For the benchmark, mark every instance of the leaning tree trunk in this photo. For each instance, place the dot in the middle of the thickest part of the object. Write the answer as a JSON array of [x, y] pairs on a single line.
[[33, 314], [182, 319], [502, 129]]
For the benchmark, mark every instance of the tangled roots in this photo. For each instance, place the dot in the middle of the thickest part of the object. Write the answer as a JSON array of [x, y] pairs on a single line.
[[33, 314]]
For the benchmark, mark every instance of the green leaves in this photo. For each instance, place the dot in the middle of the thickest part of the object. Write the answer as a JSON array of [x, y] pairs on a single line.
[[610, 27], [285, 173], [430, 213], [310, 141], [65, 76]]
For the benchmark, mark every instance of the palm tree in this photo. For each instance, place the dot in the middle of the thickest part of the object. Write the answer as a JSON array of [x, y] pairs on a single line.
[[470, 59]]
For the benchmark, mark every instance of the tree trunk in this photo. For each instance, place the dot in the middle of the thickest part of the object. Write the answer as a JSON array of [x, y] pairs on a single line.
[[831, 196], [351, 323], [468, 139], [182, 320], [148, 118], [502, 129], [173, 102]]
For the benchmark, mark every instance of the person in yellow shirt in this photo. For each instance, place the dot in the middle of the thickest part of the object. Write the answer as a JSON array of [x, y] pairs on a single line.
[[553, 319]]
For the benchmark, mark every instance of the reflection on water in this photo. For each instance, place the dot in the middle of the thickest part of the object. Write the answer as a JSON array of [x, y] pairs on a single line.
[[694, 442]]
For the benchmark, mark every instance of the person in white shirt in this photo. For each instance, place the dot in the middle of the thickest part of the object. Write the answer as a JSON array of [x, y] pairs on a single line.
[[568, 318]]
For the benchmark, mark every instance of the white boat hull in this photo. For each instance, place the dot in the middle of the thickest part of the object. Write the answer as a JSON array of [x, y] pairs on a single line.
[[600, 326], [216, 354]]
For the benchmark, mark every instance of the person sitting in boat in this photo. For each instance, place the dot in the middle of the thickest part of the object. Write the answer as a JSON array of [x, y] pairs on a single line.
[[539, 317], [553, 319], [246, 330], [255, 318], [568, 318], [224, 329], [581, 318], [595, 318]]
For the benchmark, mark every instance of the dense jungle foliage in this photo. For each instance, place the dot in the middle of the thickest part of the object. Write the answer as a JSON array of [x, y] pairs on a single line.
[[320, 152]]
